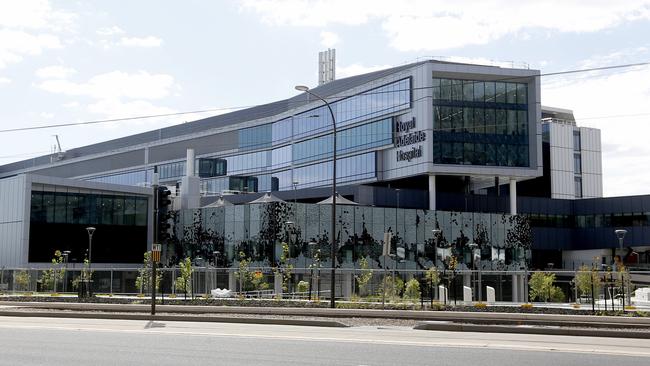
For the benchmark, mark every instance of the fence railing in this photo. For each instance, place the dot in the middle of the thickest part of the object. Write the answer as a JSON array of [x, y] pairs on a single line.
[[370, 285]]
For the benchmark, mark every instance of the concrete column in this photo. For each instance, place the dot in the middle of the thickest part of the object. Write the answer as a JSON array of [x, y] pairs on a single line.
[[347, 285], [522, 288], [432, 192], [467, 279], [515, 288], [190, 184], [513, 196], [277, 284], [232, 281]]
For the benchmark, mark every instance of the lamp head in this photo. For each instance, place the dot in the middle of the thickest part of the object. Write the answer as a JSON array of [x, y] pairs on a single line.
[[302, 88], [91, 230], [620, 233], [436, 231]]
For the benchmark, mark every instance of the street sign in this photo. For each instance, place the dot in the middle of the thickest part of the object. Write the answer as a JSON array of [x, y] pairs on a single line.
[[155, 252]]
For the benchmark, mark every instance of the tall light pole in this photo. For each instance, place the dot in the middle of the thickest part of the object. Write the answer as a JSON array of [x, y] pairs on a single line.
[[620, 234], [91, 231], [66, 253], [305, 89]]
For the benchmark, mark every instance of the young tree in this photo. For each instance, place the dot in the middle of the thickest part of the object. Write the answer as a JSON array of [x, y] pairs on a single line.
[[51, 276], [284, 267], [22, 280], [244, 272], [364, 277], [586, 278], [541, 286], [143, 281], [184, 281], [412, 290]]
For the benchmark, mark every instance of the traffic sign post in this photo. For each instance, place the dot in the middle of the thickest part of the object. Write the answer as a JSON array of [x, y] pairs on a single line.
[[155, 258]]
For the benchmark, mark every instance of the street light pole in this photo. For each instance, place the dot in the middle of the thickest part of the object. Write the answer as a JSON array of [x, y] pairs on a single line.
[[620, 234], [66, 253], [333, 229], [91, 231]]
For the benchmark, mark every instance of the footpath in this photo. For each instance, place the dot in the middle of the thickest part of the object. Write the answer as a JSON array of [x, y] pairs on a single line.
[[489, 322]]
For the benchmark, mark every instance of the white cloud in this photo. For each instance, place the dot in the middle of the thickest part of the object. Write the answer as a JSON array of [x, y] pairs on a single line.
[[15, 44], [414, 25], [27, 28], [357, 69], [34, 14], [595, 99], [71, 105], [115, 85], [55, 72], [149, 41], [115, 108], [4, 80], [110, 31], [329, 39]]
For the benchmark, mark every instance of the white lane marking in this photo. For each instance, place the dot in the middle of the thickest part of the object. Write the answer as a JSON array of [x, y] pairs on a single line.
[[427, 342]]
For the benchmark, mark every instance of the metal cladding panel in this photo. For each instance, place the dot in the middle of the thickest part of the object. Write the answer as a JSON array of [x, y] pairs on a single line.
[[201, 145], [98, 165], [12, 220]]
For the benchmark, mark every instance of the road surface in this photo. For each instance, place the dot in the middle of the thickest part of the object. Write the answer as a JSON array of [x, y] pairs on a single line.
[[51, 341]]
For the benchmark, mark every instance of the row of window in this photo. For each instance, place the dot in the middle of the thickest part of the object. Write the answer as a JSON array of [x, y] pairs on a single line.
[[371, 104], [135, 178], [480, 120], [480, 91], [349, 169], [590, 221], [363, 137], [90, 209], [468, 153]]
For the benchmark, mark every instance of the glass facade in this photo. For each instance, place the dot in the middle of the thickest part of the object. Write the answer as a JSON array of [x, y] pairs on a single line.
[[258, 230], [286, 147], [58, 221], [133, 178], [480, 123]]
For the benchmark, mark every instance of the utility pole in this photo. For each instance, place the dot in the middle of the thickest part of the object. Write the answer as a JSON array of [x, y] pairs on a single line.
[[155, 244]]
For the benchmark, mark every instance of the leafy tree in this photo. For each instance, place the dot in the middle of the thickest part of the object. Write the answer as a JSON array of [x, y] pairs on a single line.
[[412, 291], [584, 279], [259, 281], [394, 286], [143, 281], [184, 281], [284, 267], [244, 272], [303, 286], [51, 276], [364, 277], [541, 286], [22, 280], [432, 275]]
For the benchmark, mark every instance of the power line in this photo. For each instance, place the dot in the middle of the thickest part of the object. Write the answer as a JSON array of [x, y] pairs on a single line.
[[339, 97]]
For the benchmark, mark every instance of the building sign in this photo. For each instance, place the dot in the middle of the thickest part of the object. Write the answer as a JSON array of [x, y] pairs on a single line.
[[405, 138]]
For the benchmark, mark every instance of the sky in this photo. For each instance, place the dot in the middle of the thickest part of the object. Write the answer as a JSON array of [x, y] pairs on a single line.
[[75, 61]]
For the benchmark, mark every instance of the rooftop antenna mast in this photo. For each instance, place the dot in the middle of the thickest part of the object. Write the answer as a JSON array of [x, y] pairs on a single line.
[[58, 153]]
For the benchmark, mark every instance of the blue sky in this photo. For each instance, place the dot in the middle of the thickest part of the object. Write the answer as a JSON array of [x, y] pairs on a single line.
[[69, 61]]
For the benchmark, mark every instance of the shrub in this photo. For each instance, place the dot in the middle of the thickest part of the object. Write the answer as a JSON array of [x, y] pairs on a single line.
[[364, 277], [303, 286], [412, 291], [22, 279]]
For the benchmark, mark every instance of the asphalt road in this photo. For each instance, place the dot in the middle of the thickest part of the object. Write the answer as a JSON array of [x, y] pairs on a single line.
[[48, 341]]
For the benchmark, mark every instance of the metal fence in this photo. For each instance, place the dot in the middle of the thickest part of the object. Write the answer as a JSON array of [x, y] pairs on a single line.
[[370, 285]]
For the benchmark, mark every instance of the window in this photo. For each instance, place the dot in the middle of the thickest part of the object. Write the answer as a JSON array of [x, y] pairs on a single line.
[[577, 164], [576, 141], [578, 186], [480, 123]]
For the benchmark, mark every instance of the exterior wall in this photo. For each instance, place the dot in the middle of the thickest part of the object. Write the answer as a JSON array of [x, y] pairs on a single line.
[[592, 166], [561, 161], [258, 229], [14, 222]]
